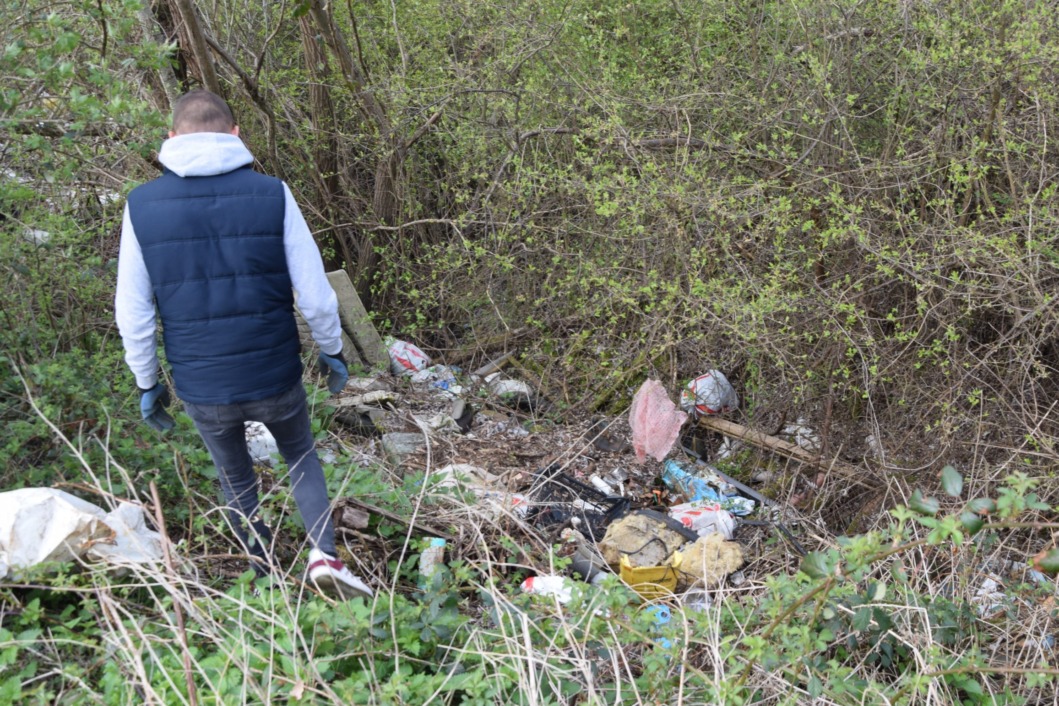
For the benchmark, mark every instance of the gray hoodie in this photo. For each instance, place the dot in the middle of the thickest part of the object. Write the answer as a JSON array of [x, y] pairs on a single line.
[[208, 154]]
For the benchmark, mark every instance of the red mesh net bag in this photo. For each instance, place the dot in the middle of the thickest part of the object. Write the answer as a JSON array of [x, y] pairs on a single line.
[[655, 421]]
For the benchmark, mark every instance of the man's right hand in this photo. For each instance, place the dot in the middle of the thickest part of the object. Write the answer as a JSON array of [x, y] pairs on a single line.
[[152, 406]]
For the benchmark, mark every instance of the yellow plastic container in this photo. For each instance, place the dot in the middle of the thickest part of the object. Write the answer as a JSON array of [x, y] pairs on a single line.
[[652, 581]]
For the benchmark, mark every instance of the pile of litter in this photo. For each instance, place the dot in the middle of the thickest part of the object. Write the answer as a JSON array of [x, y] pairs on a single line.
[[616, 496]]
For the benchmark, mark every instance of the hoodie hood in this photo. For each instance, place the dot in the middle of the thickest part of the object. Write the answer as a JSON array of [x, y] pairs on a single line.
[[204, 154]]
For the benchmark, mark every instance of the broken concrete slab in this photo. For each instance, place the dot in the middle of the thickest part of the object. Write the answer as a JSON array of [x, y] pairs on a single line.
[[398, 445], [357, 323], [361, 386], [352, 518], [380, 399], [305, 336]]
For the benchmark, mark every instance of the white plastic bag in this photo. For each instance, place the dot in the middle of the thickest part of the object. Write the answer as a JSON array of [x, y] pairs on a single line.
[[40, 525], [261, 444], [704, 518], [558, 587], [709, 393], [406, 358]]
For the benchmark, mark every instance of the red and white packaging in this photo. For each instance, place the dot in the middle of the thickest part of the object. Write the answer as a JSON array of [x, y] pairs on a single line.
[[709, 393], [704, 518], [558, 587], [406, 358], [515, 503]]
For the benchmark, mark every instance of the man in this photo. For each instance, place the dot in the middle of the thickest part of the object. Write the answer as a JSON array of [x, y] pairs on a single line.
[[222, 251]]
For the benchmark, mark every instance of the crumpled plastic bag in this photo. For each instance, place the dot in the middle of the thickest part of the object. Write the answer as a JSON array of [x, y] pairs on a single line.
[[40, 525], [261, 444], [406, 358], [709, 393], [655, 421], [442, 376], [704, 518]]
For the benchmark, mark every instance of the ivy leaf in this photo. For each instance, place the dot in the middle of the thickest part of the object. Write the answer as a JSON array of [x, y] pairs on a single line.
[[951, 481]]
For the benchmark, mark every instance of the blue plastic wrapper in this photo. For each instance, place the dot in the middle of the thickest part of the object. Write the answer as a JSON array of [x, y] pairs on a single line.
[[698, 489]]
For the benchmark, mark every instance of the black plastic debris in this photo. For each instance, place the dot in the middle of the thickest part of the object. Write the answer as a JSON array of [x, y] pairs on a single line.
[[463, 414], [558, 499], [603, 441]]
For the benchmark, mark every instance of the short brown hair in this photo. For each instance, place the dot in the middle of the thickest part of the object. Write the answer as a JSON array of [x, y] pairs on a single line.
[[201, 111]]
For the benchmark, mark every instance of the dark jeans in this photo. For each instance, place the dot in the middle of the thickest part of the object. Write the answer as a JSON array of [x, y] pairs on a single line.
[[287, 416]]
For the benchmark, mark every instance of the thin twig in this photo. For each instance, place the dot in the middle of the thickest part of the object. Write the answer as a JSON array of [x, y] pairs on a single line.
[[177, 610]]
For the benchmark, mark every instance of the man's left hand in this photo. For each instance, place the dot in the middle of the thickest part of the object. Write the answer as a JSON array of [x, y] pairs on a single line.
[[336, 369], [152, 406]]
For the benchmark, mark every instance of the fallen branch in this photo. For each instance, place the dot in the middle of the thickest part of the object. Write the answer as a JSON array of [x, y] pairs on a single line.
[[424, 529], [784, 448]]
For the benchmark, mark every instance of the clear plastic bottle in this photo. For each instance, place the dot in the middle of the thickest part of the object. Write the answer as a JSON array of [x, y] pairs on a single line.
[[431, 561]]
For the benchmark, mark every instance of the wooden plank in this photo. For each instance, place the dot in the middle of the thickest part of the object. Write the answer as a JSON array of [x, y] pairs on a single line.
[[494, 365], [357, 323], [784, 448]]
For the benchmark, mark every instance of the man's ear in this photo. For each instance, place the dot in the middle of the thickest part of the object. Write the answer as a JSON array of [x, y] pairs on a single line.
[[172, 134], [235, 131]]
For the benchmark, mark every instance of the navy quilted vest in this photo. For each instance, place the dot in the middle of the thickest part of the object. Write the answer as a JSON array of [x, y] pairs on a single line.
[[213, 247]]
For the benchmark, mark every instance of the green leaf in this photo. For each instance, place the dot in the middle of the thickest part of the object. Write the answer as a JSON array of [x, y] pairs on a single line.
[[817, 565], [11, 690], [971, 521], [861, 620], [982, 506], [951, 481], [923, 506]]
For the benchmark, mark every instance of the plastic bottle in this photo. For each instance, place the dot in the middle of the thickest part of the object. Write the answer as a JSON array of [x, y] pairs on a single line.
[[430, 561], [660, 616], [696, 600], [600, 484]]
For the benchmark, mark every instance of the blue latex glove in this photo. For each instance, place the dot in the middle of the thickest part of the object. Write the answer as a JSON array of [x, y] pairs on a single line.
[[334, 366], [152, 406]]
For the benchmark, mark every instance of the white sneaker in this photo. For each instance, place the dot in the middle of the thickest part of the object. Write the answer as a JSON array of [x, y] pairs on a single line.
[[333, 578]]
